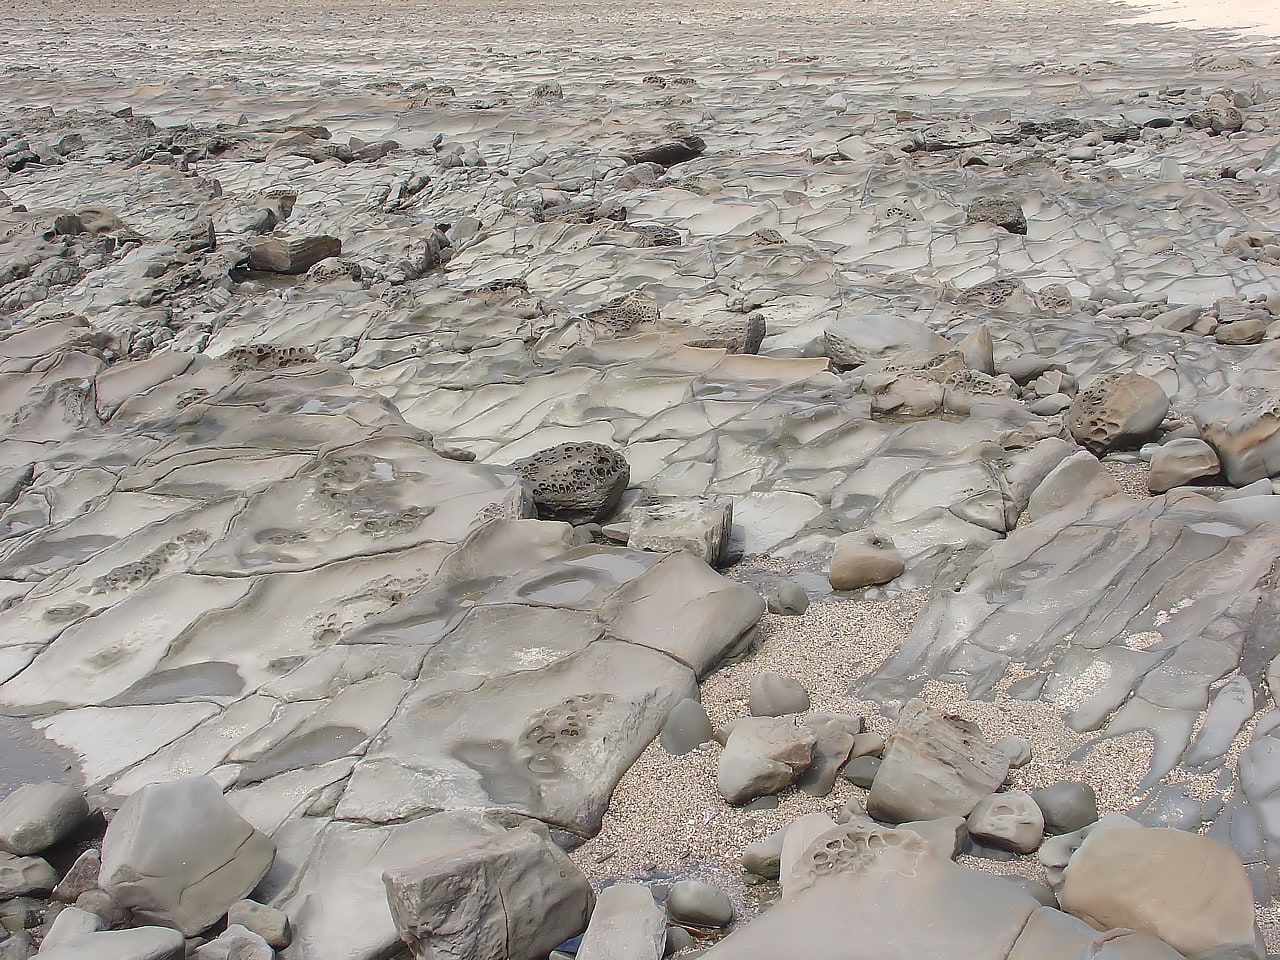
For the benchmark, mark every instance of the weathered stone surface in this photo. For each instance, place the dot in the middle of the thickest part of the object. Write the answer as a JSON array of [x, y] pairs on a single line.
[[863, 560], [292, 254], [270, 924], [38, 815], [178, 854], [852, 341], [235, 943], [696, 525], [626, 925], [70, 924], [944, 837], [1117, 410], [1181, 461], [577, 482], [1002, 212], [1009, 821], [763, 755], [516, 895], [773, 695], [20, 876], [933, 768], [141, 943]]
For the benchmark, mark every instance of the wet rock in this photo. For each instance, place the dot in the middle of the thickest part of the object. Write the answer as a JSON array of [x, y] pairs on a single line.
[[38, 815], [177, 853], [292, 254], [1180, 461], [235, 943], [762, 756], [1117, 410], [270, 924], [773, 695], [687, 726], [696, 525], [1007, 821], [786, 598], [862, 560], [141, 943], [576, 482], [517, 895], [699, 903], [1067, 806], [626, 925], [1002, 212], [933, 768], [1186, 889], [20, 876]]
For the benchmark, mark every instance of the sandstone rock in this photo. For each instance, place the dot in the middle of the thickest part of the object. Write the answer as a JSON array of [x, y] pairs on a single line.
[[626, 925], [687, 726], [786, 598], [270, 924], [864, 559], [1067, 806], [38, 815], [20, 876], [1186, 889], [933, 768], [292, 254], [141, 943], [861, 771], [762, 756], [852, 341], [1078, 481], [1181, 461], [576, 482], [1117, 410], [1056, 852], [796, 866], [978, 350], [735, 335], [178, 854], [1008, 821], [235, 943], [1002, 212], [699, 903], [1241, 332], [773, 695], [697, 525], [517, 895], [944, 837]]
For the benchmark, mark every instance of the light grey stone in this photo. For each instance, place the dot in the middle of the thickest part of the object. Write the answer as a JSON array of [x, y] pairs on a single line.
[[864, 559], [17, 946], [270, 924], [861, 771], [37, 815], [773, 695], [696, 525], [945, 836], [699, 903], [852, 341], [1077, 481], [140, 943], [830, 752], [626, 925], [1016, 749], [1008, 821], [1181, 461], [235, 943], [762, 756], [687, 726], [70, 924], [20, 876]]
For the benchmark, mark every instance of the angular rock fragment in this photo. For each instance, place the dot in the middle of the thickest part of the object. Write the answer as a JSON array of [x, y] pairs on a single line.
[[762, 756], [270, 924], [235, 943], [38, 815], [1181, 461], [626, 925], [576, 482], [696, 525], [292, 254]]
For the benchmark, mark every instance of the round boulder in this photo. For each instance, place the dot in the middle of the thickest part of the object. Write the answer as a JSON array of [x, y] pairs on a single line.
[[575, 482], [1066, 806], [1009, 821], [699, 904], [864, 559], [773, 695], [1116, 410]]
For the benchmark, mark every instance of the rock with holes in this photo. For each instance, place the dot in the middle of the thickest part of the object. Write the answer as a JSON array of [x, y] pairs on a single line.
[[292, 254], [627, 924], [178, 854], [864, 559], [576, 482], [934, 766], [762, 756], [38, 815], [696, 525], [852, 341], [516, 895], [1008, 821], [1002, 212], [1117, 410]]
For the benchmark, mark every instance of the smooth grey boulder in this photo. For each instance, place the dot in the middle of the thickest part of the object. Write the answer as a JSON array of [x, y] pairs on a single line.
[[786, 598], [1016, 749], [18, 946], [864, 559], [1008, 821], [933, 768], [687, 726], [140, 943], [21, 876], [861, 771], [773, 695], [270, 924], [698, 903], [575, 482], [37, 815], [696, 525], [177, 854], [627, 924], [1056, 852], [516, 895], [235, 943], [71, 923], [1181, 461], [852, 341], [1247, 331], [762, 756], [1067, 806], [1117, 410]]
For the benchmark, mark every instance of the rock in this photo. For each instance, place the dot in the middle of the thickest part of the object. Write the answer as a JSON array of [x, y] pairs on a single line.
[[786, 598], [82, 876], [270, 924], [795, 868], [852, 341], [1078, 481], [70, 924], [978, 350], [626, 925], [37, 815], [19, 946], [687, 726], [933, 768], [1067, 806], [1008, 821], [670, 153], [735, 335], [867, 745], [177, 853], [773, 695], [698, 903], [106, 906], [944, 837], [20, 876], [1003, 213], [1117, 410], [1056, 852], [1042, 893], [291, 254], [678, 938], [576, 482], [140, 943], [861, 771], [762, 857], [1239, 332], [762, 756], [829, 753], [235, 943], [516, 895], [1016, 749], [1190, 891], [1180, 461], [697, 525], [864, 559]]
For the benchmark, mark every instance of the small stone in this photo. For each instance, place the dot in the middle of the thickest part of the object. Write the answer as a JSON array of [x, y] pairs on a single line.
[[104, 905], [867, 745], [773, 695], [1117, 410], [861, 771], [678, 938], [699, 904], [687, 726], [1067, 806], [82, 876], [762, 857], [20, 876], [1008, 821], [235, 943], [786, 598], [37, 815], [829, 753], [270, 924], [291, 255], [1016, 749], [626, 925], [945, 836], [1003, 213], [862, 560]]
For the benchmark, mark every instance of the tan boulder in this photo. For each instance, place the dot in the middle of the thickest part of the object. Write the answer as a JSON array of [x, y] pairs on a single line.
[[1116, 410]]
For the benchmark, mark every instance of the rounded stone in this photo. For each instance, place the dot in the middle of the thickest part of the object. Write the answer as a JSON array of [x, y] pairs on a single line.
[[1007, 821], [864, 559], [687, 726], [1117, 410], [773, 695], [1016, 749], [575, 482], [699, 903], [1181, 461], [786, 598], [861, 771], [1066, 806]]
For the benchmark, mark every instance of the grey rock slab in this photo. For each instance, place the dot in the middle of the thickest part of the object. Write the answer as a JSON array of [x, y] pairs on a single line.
[[1008, 821], [794, 865], [1051, 934], [762, 756], [38, 815], [517, 895], [178, 853], [20, 876], [699, 903], [933, 768], [1066, 806], [270, 924], [687, 726], [627, 924], [852, 341], [696, 525], [140, 943], [1232, 706], [774, 695]]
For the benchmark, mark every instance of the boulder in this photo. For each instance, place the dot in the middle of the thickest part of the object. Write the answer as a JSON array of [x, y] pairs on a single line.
[[1181, 461], [1079, 481], [1056, 852], [291, 254], [687, 726], [1117, 410], [1002, 212], [516, 895], [1190, 891], [762, 756], [1241, 332], [140, 943], [852, 341], [177, 854], [270, 924], [978, 350], [698, 903], [933, 768], [82, 877], [37, 815], [1007, 821], [627, 924], [773, 695], [21, 876], [71, 923], [697, 525], [235, 943], [835, 741], [1066, 806], [575, 482], [786, 598], [864, 559]]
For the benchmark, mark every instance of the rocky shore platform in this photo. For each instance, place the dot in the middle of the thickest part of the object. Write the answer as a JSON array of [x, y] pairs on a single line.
[[500, 482]]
